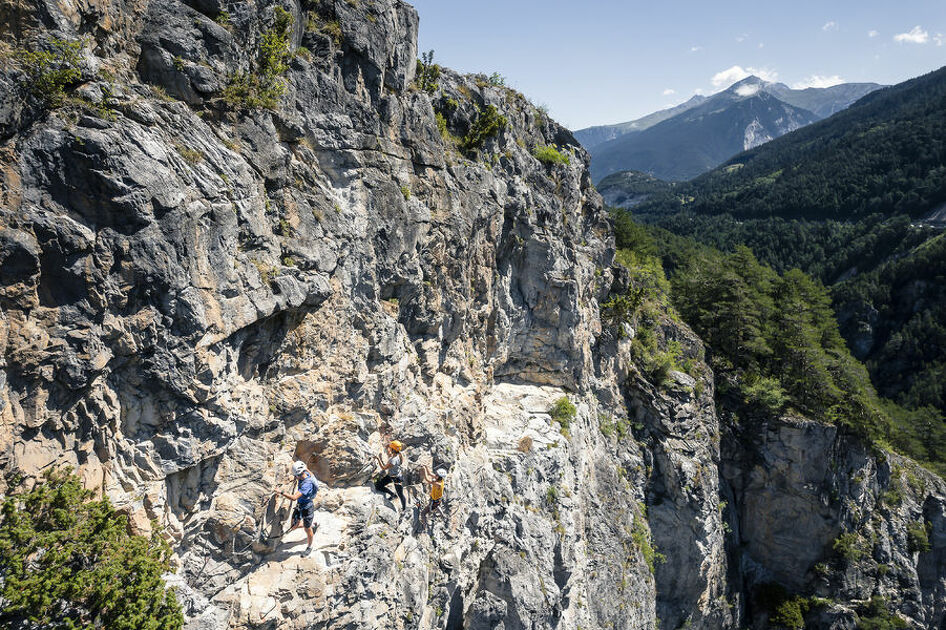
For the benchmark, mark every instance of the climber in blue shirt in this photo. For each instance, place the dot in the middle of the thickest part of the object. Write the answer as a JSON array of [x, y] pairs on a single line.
[[305, 493]]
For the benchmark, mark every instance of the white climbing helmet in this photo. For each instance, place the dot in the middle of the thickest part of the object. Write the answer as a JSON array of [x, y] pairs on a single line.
[[298, 468], [441, 472]]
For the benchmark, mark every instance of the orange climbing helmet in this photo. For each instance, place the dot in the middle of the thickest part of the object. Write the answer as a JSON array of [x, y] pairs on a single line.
[[396, 446]]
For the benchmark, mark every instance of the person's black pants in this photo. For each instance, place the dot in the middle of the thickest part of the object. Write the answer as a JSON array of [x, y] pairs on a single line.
[[381, 485]]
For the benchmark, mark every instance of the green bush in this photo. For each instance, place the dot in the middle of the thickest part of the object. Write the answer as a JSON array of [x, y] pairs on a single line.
[[790, 614], [442, 125], [50, 72], [606, 426], [876, 615], [653, 362], [645, 297], [497, 80], [67, 561], [488, 123], [563, 412], [766, 393], [645, 305], [849, 546], [428, 73], [917, 537], [274, 49], [263, 87], [640, 535], [548, 154], [658, 367]]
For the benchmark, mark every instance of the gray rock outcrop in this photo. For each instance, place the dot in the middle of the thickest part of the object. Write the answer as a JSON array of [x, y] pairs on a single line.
[[195, 291]]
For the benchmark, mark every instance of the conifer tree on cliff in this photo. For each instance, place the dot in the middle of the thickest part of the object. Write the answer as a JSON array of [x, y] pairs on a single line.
[[68, 561]]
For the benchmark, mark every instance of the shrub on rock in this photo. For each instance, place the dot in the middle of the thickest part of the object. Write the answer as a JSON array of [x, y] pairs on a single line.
[[68, 561]]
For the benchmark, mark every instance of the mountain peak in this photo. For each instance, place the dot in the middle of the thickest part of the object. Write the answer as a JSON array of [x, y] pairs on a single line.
[[818, 102], [749, 80], [749, 86]]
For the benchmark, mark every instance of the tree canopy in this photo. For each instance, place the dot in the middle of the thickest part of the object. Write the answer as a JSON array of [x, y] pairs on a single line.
[[68, 561], [774, 342]]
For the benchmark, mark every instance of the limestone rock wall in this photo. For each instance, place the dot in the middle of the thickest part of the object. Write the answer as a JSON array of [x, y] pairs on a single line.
[[193, 294], [814, 510]]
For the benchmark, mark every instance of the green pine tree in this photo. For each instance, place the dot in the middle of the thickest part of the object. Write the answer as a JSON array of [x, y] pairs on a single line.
[[68, 561]]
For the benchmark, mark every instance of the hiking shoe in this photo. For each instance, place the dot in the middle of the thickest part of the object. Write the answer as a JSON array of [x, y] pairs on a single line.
[[307, 551]]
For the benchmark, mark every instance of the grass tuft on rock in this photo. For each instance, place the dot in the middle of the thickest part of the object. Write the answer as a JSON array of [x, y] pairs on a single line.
[[548, 154], [563, 412]]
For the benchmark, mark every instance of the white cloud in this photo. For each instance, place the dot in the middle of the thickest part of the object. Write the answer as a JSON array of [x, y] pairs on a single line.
[[818, 81], [731, 75], [747, 90], [761, 45], [696, 48], [939, 39], [742, 38], [698, 92], [764, 73], [872, 33], [830, 26], [669, 91], [915, 36]]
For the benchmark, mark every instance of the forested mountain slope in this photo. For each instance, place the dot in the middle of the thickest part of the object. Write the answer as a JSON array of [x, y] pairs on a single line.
[[884, 154], [775, 339], [895, 316], [851, 200], [773, 343]]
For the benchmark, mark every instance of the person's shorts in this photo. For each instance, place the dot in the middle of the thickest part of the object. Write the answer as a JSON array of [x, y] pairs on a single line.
[[305, 514]]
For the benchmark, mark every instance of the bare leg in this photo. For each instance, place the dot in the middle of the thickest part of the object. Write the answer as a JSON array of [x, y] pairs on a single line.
[[309, 533]]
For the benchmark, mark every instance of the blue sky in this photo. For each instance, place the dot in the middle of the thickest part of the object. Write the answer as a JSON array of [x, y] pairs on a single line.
[[596, 62]]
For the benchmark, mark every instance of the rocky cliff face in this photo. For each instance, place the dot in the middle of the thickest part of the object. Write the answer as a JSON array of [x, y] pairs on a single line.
[[195, 292]]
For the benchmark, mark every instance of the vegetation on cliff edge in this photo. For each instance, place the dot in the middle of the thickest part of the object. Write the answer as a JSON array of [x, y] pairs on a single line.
[[68, 561], [773, 341]]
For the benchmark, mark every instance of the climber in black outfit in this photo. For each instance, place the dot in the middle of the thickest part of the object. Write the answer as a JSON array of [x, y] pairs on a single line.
[[392, 473]]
